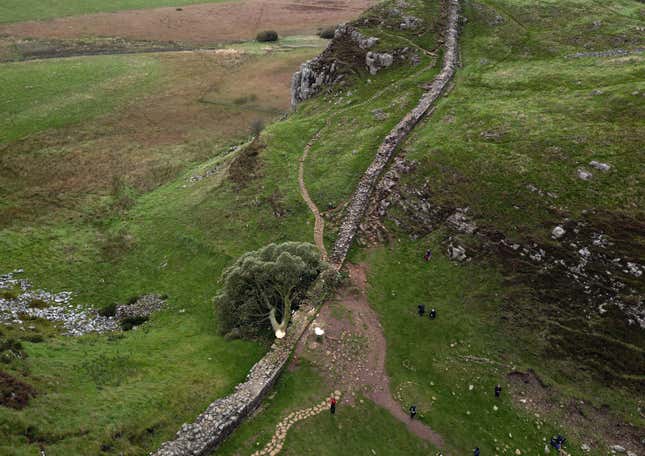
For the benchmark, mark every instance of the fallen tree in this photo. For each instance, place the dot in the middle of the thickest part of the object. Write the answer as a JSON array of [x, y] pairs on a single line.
[[262, 288]]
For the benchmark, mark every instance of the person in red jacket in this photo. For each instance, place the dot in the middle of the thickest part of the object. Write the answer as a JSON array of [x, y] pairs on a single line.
[[332, 405]]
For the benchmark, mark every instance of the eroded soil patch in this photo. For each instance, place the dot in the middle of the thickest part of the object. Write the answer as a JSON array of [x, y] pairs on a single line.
[[14, 393], [352, 353], [595, 426]]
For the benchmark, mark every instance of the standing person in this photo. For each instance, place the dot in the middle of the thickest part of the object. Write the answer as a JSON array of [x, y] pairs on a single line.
[[421, 309], [413, 411], [498, 390], [428, 255], [476, 451], [332, 405], [432, 314]]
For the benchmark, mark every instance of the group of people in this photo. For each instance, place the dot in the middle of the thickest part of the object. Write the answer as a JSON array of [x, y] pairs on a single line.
[[421, 309], [557, 441]]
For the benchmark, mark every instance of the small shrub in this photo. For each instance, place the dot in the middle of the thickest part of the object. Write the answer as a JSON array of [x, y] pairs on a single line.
[[132, 299], [38, 304], [245, 165], [8, 294], [35, 338], [128, 323], [14, 393], [327, 33], [11, 349], [256, 127], [108, 311], [267, 35]]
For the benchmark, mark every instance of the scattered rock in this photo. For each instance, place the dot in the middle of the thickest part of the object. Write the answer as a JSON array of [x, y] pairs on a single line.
[[584, 174], [599, 165], [461, 221], [410, 23], [142, 308], [379, 114], [617, 448], [456, 252], [558, 232]]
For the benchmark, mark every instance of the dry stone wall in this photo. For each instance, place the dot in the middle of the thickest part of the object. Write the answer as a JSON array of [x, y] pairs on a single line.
[[361, 197], [226, 414]]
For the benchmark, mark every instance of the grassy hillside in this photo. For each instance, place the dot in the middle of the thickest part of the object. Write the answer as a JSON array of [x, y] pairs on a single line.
[[105, 203], [507, 141], [19, 10], [524, 114]]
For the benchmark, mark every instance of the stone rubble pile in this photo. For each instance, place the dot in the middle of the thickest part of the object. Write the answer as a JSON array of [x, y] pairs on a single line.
[[142, 308], [225, 414], [55, 307]]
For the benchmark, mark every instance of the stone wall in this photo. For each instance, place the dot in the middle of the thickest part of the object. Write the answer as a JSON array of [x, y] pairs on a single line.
[[361, 197]]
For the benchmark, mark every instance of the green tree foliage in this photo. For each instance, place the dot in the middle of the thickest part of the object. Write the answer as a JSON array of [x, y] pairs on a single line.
[[267, 35], [262, 287]]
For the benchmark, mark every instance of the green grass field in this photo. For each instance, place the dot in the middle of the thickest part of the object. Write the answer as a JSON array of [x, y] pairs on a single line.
[[128, 393], [27, 10], [545, 119], [55, 94]]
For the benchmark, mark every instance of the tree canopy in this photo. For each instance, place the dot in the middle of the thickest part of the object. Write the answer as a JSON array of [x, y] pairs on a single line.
[[262, 287]]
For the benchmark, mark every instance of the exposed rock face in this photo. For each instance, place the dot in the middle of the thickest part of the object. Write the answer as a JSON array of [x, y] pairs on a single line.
[[347, 50], [376, 61], [410, 23]]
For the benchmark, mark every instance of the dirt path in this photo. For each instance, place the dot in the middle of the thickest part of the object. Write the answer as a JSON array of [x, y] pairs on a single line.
[[319, 225], [277, 440], [352, 353]]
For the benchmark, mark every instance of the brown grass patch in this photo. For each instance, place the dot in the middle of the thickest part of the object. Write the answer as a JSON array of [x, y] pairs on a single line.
[[14, 393], [207, 23], [192, 115]]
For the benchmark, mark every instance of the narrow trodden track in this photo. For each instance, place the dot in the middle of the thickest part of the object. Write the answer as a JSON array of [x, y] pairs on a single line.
[[319, 224]]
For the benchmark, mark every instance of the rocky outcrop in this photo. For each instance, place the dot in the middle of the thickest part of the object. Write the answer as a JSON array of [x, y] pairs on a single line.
[[361, 197], [347, 51], [376, 61]]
